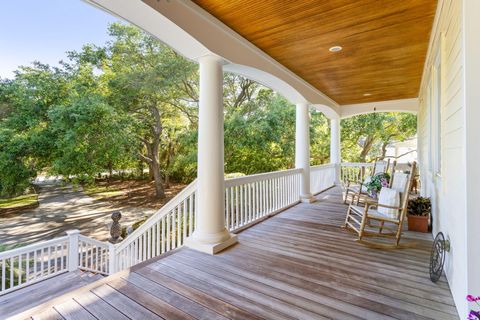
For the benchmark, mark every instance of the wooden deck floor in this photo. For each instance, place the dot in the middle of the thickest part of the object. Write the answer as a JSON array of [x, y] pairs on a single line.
[[297, 265]]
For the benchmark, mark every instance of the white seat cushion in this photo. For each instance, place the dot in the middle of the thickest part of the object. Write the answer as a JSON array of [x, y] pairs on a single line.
[[372, 213], [389, 197]]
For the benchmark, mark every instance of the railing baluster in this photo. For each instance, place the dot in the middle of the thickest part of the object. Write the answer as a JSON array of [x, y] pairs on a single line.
[[184, 227], [158, 239], [149, 243], [4, 276], [190, 215], [168, 233], [163, 235]]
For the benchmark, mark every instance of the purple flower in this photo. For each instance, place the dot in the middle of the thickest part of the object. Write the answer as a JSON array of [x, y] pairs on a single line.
[[473, 315], [472, 298]]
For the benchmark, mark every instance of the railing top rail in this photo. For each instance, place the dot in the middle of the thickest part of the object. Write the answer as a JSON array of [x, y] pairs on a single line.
[[32, 247], [258, 177], [175, 201], [323, 166], [357, 164], [93, 241]]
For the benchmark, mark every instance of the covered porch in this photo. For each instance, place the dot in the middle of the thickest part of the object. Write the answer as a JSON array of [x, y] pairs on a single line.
[[271, 245], [296, 264]]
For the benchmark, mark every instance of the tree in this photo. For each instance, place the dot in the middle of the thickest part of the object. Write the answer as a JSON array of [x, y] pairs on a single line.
[[366, 137], [148, 81], [25, 144]]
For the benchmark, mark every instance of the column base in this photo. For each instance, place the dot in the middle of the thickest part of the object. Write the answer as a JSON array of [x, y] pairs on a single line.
[[211, 248], [307, 199]]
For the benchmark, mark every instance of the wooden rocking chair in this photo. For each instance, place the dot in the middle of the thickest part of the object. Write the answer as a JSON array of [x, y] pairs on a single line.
[[356, 188], [359, 219]]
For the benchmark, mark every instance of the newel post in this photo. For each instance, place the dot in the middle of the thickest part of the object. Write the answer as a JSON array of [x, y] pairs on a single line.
[[111, 259], [72, 259]]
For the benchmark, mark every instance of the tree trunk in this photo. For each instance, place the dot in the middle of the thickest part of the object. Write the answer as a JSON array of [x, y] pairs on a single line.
[[159, 190], [367, 145], [150, 172], [384, 150]]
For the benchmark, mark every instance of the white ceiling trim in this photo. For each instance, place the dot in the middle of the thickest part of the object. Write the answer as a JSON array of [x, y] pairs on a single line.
[[402, 105]]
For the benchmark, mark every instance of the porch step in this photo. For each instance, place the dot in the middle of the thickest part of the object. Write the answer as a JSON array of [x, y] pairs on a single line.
[[28, 297]]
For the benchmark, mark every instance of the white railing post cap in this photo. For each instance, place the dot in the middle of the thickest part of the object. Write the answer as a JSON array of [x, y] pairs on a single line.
[[72, 232]]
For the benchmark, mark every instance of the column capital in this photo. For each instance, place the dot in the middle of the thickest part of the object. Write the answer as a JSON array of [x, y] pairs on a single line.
[[212, 58]]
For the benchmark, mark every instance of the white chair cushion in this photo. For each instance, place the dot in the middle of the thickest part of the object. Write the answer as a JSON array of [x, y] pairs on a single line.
[[389, 197], [400, 181]]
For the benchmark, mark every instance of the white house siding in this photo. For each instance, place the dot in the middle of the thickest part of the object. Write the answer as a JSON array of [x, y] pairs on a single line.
[[448, 189]]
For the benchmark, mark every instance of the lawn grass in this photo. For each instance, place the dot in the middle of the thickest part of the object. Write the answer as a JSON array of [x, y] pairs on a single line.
[[20, 201], [99, 192]]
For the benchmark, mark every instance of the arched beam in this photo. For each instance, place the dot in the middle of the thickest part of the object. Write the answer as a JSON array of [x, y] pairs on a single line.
[[403, 105], [194, 33]]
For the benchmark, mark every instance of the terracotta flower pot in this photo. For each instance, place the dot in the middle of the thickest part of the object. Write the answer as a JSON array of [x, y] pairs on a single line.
[[418, 223]]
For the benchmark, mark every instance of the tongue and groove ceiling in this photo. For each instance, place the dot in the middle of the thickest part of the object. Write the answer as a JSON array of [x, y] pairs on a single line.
[[384, 42]]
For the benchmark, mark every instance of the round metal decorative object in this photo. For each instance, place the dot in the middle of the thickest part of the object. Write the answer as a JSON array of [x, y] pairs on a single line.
[[437, 257]]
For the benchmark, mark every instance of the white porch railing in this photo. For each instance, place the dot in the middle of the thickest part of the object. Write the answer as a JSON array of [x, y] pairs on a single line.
[[26, 265], [162, 232], [250, 198], [247, 200], [354, 171], [322, 177], [93, 255]]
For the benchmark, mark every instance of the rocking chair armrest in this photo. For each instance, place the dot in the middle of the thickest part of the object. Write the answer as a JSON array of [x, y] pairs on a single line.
[[388, 207], [366, 198]]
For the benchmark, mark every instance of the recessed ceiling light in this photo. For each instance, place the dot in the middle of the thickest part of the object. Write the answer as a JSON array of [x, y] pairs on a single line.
[[335, 49], [367, 94]]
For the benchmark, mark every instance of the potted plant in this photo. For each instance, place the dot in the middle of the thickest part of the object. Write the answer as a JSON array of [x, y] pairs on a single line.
[[418, 214], [376, 183]]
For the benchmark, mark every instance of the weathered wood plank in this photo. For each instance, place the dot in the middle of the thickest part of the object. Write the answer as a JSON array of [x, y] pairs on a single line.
[[148, 300], [205, 299], [48, 314], [256, 307], [174, 299], [98, 308], [122, 303], [71, 310]]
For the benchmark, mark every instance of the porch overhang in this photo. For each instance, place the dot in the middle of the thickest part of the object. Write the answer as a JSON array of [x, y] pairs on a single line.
[[194, 33]]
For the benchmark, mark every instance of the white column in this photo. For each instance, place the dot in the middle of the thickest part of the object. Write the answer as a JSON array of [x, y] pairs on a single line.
[[335, 147], [302, 150], [210, 234]]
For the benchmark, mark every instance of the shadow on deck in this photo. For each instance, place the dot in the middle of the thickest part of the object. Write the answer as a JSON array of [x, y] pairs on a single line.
[[298, 264]]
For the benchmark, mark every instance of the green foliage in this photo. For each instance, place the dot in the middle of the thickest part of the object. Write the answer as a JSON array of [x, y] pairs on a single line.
[[133, 103], [420, 206], [377, 182], [90, 137], [366, 137]]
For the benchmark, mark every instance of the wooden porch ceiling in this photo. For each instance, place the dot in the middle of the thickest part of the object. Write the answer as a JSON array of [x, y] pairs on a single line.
[[298, 264], [384, 42]]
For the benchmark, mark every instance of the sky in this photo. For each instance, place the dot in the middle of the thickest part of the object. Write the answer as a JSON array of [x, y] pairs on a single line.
[[44, 30]]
